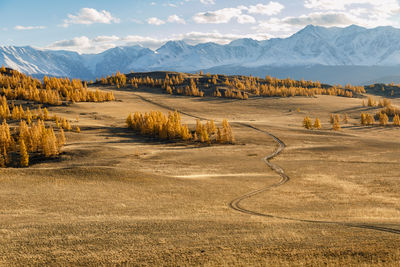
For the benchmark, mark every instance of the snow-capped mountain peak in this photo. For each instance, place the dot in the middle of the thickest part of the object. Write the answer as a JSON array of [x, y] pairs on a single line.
[[313, 45]]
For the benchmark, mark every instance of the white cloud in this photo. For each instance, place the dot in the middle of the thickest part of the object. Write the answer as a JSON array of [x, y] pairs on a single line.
[[321, 19], [219, 16], [244, 19], [83, 44], [155, 21], [208, 2], [274, 25], [339, 13], [105, 39], [272, 8], [176, 19], [89, 16], [370, 12], [225, 15], [77, 42], [26, 28], [388, 5]]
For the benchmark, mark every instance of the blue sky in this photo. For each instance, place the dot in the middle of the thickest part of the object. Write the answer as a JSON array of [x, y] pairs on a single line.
[[91, 26]]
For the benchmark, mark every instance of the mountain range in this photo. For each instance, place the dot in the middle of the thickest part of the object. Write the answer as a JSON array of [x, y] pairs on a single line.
[[333, 55]]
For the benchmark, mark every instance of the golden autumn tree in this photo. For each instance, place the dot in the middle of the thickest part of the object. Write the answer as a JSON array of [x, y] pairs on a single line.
[[383, 119], [227, 135], [337, 118], [307, 123], [317, 124], [61, 138], [364, 120], [371, 102], [396, 120], [336, 126], [219, 135], [370, 119], [24, 157]]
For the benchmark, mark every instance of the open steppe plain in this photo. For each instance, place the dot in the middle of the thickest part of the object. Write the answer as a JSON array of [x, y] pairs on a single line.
[[116, 198]]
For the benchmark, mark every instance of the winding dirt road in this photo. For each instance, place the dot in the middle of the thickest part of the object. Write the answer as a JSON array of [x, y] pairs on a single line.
[[235, 204]]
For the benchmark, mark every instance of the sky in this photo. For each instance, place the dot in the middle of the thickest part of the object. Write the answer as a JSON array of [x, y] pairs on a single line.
[[92, 26]]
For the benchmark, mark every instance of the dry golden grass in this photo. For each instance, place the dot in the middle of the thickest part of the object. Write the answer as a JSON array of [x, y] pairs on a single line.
[[116, 198]]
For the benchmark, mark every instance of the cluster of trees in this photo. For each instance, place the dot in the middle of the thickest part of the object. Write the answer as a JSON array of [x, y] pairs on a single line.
[[118, 79], [228, 93], [27, 135], [383, 118], [288, 87], [19, 144], [157, 125], [334, 120], [238, 87], [18, 113], [381, 103], [365, 118], [384, 115], [307, 123], [389, 111], [17, 86], [174, 80], [188, 90], [176, 85]]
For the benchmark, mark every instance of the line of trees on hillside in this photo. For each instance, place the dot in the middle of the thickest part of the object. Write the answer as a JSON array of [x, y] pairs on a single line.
[[52, 91], [238, 87]]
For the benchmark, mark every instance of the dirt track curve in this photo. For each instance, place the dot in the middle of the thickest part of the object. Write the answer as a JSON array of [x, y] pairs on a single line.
[[235, 204]]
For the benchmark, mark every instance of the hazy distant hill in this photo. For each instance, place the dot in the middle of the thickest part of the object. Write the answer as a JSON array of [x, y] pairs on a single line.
[[334, 55]]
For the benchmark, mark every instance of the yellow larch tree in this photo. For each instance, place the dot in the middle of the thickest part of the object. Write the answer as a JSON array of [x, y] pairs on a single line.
[[24, 157], [396, 120], [336, 126], [307, 123], [383, 119], [317, 123], [364, 120]]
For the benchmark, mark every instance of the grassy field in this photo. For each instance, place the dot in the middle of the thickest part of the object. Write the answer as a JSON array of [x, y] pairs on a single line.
[[117, 198]]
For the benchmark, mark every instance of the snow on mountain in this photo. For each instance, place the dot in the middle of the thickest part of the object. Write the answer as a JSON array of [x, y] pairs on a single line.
[[313, 45], [37, 62]]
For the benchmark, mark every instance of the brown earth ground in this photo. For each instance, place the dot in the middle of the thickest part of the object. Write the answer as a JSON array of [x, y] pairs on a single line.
[[118, 198]]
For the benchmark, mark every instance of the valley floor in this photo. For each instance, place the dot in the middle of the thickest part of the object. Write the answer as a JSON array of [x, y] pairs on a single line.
[[118, 198]]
